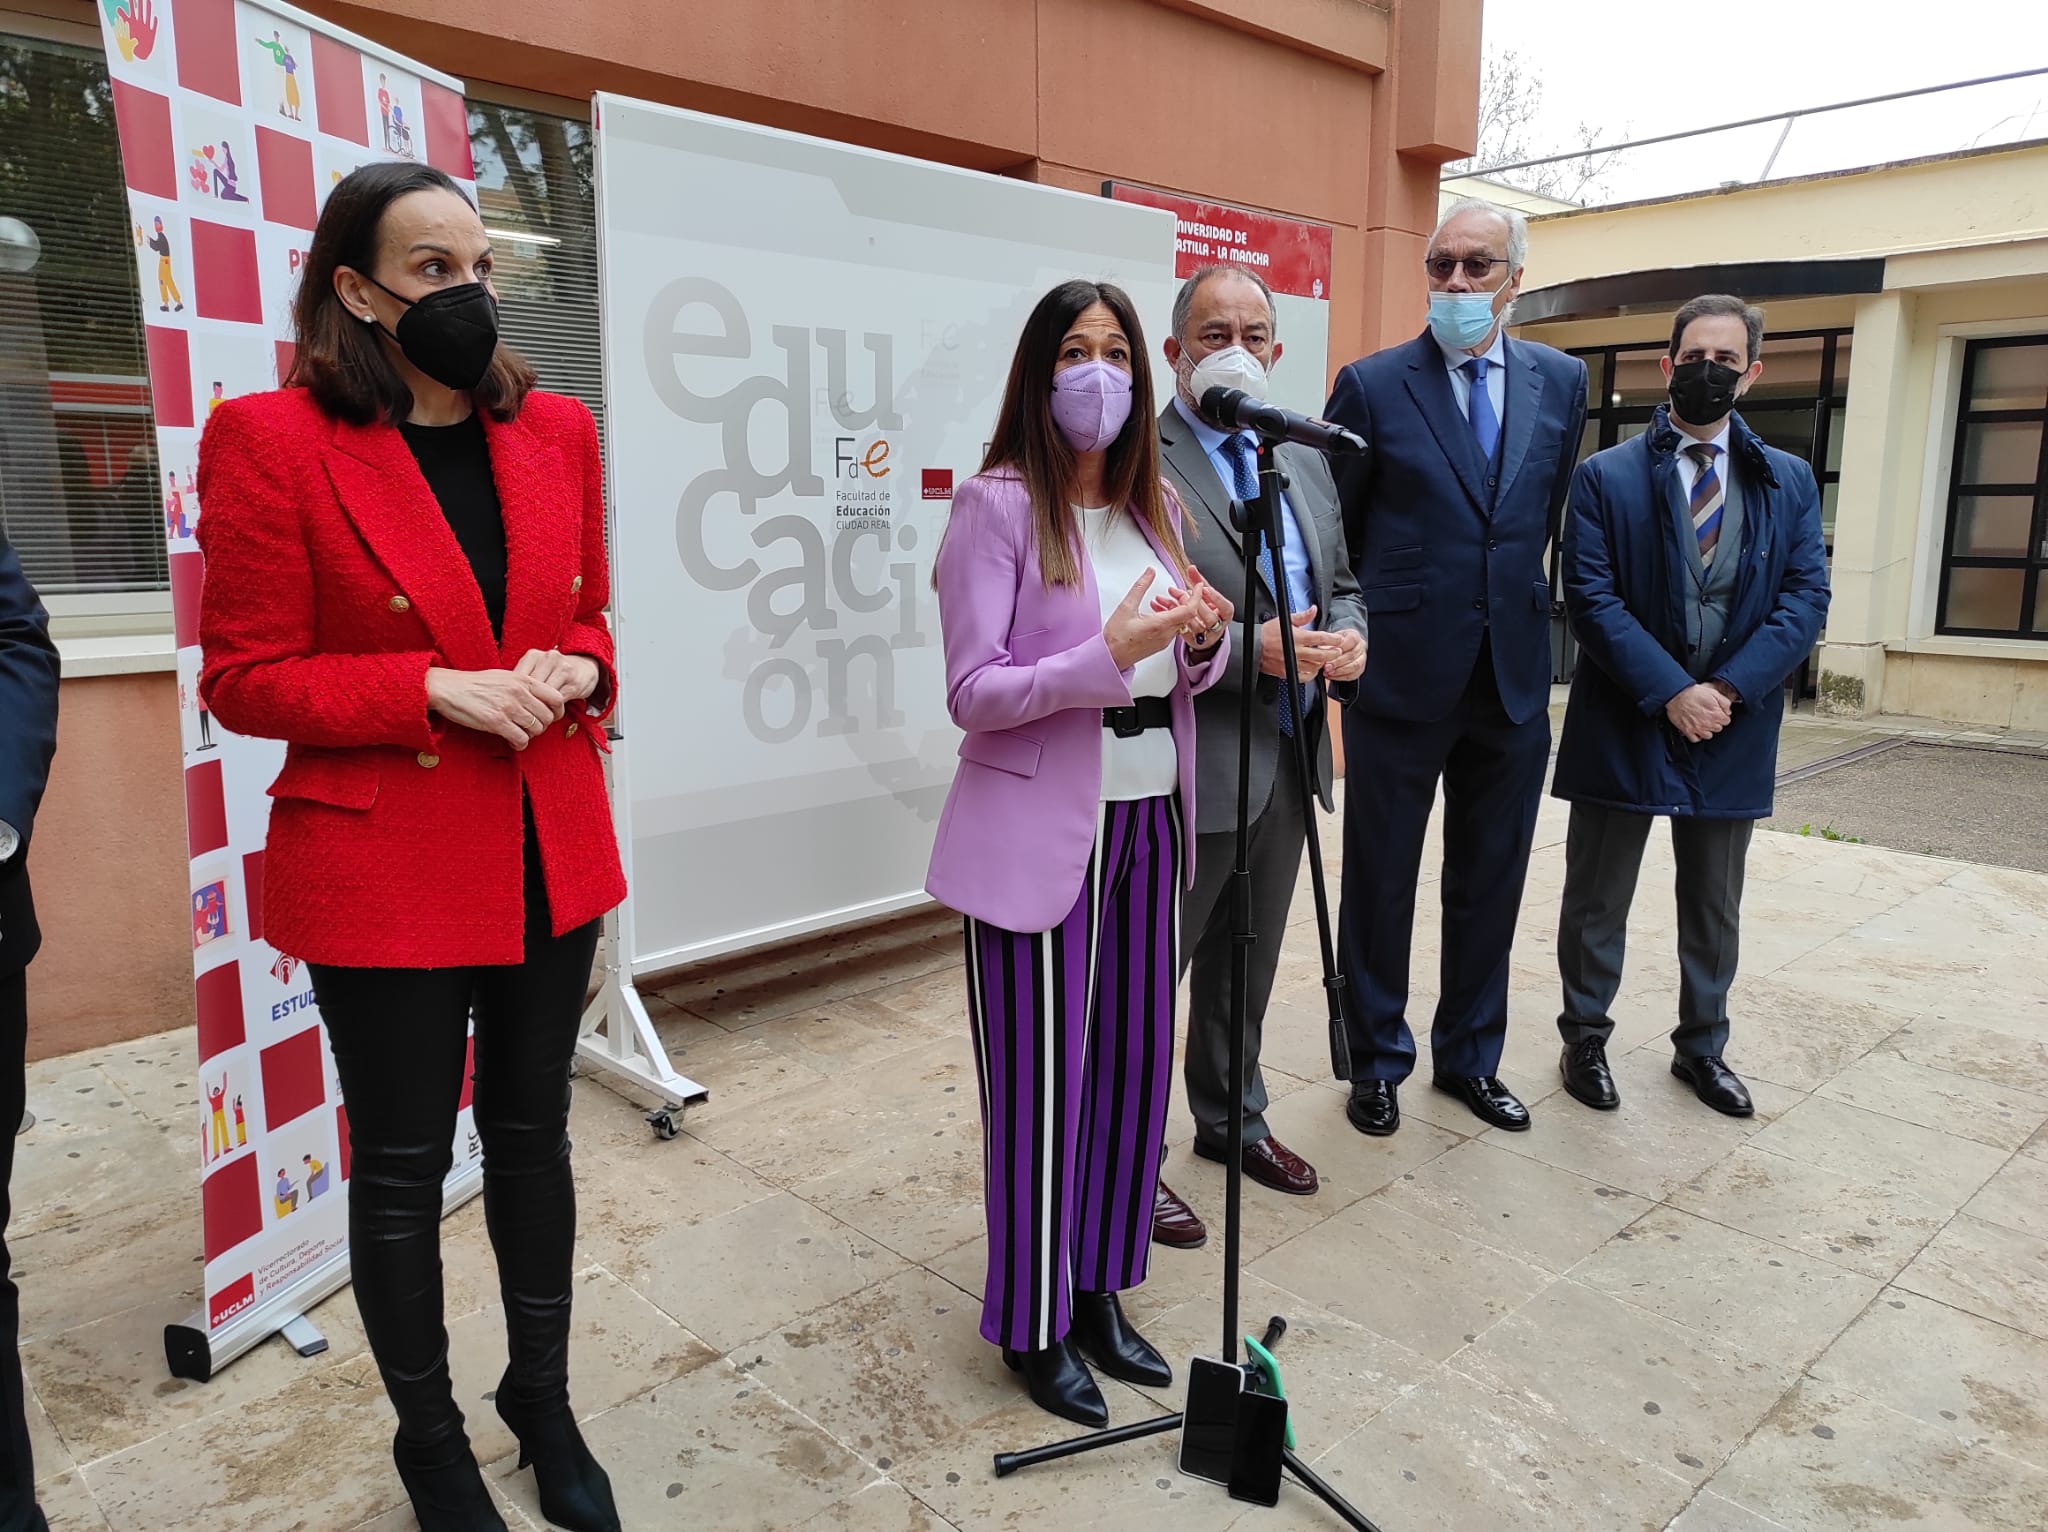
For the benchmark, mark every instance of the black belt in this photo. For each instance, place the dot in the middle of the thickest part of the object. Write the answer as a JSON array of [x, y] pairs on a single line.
[[1145, 713]]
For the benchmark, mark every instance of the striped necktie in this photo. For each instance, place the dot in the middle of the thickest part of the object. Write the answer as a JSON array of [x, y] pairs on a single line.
[[1708, 496]]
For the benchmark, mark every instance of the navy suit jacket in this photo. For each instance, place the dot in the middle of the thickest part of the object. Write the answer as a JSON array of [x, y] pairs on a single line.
[[1447, 545], [28, 738]]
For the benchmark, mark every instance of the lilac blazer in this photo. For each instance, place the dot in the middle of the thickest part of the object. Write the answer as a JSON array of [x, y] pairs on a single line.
[[1028, 673]]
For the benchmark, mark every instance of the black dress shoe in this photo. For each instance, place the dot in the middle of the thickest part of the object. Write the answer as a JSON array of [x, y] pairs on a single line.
[[1490, 1101], [1059, 1383], [1107, 1339], [1374, 1107], [575, 1492], [445, 1486], [1586, 1075], [1715, 1083]]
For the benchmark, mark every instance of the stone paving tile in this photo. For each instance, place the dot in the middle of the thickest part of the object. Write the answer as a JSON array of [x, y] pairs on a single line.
[[1457, 1456], [68, 1505], [1891, 1085], [2017, 1197], [1882, 1152], [1653, 1390], [1813, 1210], [1402, 1277], [883, 1506], [1550, 1218], [1710, 1513], [747, 1272], [712, 1449], [1748, 1294], [918, 1196], [1826, 1458], [1951, 1370], [1994, 1272], [1976, 1051]]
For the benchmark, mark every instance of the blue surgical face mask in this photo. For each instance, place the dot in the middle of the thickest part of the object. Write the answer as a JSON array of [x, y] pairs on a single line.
[[1461, 320]]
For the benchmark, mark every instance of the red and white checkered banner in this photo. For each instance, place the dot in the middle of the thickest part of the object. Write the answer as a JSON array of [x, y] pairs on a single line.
[[236, 118]]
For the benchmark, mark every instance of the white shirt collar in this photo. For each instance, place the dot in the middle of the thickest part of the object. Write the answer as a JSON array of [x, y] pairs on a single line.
[[1718, 441], [1495, 354]]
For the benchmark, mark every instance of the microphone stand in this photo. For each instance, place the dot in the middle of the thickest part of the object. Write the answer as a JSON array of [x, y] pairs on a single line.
[[1257, 522]]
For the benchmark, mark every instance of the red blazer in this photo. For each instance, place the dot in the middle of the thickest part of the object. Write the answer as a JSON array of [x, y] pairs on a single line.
[[332, 583]]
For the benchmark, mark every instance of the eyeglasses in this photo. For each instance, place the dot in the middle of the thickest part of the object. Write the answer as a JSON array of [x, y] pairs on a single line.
[[1477, 267]]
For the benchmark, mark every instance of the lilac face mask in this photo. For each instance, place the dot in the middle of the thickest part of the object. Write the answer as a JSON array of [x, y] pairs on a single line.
[[1090, 404]]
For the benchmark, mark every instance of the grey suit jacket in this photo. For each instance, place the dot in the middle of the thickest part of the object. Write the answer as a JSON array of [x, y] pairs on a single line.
[[1215, 548]]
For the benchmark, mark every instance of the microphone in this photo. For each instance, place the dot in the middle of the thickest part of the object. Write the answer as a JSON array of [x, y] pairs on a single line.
[[1232, 409]]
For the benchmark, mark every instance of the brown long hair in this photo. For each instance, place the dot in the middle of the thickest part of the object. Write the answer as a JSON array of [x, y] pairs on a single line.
[[1029, 444], [343, 364]]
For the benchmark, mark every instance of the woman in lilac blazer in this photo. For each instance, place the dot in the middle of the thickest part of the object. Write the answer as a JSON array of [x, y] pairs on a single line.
[[1076, 637]]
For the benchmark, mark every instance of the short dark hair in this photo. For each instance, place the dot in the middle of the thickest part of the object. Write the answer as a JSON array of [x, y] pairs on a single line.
[[342, 362], [1184, 300], [1718, 305]]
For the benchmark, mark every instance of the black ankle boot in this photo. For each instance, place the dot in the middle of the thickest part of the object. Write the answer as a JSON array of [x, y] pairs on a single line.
[[1060, 1383], [575, 1491], [1108, 1340], [444, 1484]]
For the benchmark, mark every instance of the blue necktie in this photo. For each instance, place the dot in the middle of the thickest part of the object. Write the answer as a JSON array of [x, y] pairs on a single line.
[[1244, 473], [1485, 424]]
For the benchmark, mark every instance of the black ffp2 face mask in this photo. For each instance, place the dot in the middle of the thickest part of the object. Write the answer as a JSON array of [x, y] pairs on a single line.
[[1703, 392], [450, 335]]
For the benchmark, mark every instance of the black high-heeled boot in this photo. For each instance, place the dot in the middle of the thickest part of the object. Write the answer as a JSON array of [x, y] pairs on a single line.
[[575, 1491], [444, 1484], [1111, 1342], [1060, 1383], [432, 1453]]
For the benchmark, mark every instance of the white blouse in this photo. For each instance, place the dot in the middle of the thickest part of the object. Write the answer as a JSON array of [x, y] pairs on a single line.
[[1144, 765]]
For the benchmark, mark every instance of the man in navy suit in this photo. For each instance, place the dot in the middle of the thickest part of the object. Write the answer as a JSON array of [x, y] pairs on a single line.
[[1473, 440], [28, 738]]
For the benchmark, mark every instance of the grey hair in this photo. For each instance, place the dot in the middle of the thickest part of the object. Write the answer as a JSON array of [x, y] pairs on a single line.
[[1184, 300], [1518, 227]]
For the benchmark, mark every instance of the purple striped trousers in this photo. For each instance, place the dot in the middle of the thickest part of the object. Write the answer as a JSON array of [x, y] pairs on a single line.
[[1073, 1042]]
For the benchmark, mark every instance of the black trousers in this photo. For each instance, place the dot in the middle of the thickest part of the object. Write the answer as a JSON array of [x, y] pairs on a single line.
[[398, 1041], [1492, 774], [18, 1511]]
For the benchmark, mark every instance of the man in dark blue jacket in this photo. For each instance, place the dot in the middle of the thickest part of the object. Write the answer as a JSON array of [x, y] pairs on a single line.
[[1696, 580], [28, 738], [1473, 437]]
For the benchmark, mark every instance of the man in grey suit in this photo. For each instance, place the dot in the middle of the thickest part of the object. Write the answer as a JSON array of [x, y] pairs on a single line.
[[1223, 334]]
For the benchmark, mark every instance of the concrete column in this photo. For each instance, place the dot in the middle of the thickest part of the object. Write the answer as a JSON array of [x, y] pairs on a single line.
[[1876, 512]]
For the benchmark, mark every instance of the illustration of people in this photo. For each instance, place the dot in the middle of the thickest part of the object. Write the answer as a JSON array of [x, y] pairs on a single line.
[[287, 73], [206, 743], [316, 1177], [225, 181], [166, 285], [287, 1195], [217, 1100], [209, 914], [384, 107], [216, 401], [401, 135], [174, 506], [241, 1127]]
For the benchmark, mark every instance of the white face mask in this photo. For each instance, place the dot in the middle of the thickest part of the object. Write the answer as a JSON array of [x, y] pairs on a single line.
[[1232, 367]]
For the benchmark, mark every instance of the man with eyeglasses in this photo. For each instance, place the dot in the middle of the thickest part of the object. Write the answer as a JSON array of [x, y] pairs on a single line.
[[1473, 439], [1223, 337]]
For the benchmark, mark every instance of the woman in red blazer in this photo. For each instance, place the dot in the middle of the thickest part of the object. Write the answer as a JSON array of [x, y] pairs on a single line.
[[405, 581]]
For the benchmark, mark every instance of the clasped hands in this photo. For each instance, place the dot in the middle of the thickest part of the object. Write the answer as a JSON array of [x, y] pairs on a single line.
[[1702, 710], [517, 705], [1197, 615]]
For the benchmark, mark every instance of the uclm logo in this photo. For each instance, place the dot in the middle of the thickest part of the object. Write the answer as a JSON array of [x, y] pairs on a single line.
[[230, 1301], [938, 484]]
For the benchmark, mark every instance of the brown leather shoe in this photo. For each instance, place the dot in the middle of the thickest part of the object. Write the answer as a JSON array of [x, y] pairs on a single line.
[[1271, 1163], [1175, 1223]]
